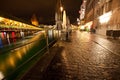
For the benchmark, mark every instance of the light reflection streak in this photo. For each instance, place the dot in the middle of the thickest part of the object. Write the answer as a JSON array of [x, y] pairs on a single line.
[[50, 34], [11, 59], [1, 75], [99, 55], [57, 33], [8, 41], [18, 54], [2, 67]]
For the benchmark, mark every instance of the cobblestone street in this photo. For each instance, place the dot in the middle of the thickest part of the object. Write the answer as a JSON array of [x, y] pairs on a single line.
[[86, 57], [59, 39]]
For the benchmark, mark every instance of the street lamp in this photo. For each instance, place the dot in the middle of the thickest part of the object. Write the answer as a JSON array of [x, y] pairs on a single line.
[[60, 19], [61, 9], [105, 17], [47, 41]]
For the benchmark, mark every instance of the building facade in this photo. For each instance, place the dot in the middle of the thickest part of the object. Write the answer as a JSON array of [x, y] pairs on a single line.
[[103, 14], [82, 12], [34, 20]]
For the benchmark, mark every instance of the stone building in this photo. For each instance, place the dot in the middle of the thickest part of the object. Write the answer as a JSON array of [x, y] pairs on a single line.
[[34, 20], [103, 14]]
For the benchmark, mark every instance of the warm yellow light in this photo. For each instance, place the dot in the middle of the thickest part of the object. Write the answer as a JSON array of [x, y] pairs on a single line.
[[82, 27], [61, 8], [89, 24], [1, 76], [1, 18], [8, 23], [11, 21], [16, 23], [20, 24], [105, 17]]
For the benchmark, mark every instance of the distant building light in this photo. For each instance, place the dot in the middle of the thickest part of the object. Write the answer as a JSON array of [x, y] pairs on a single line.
[[82, 27], [85, 1], [78, 19], [1, 18], [105, 17], [61, 8], [89, 25]]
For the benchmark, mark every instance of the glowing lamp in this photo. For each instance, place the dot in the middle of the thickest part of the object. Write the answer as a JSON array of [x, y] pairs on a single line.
[[1, 18], [61, 8], [105, 17]]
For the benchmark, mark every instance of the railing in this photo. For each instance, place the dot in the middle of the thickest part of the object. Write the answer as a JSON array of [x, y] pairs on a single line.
[[113, 33], [30, 59]]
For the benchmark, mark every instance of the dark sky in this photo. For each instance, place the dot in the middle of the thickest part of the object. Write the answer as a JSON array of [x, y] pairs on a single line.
[[44, 9]]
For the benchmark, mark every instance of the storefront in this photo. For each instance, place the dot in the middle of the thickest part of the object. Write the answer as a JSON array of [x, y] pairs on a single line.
[[103, 23]]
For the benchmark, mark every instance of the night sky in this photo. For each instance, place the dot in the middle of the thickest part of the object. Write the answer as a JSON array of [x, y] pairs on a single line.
[[44, 9]]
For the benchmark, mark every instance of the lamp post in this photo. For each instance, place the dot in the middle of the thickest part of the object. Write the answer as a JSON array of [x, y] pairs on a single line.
[[47, 41], [61, 8], [60, 14]]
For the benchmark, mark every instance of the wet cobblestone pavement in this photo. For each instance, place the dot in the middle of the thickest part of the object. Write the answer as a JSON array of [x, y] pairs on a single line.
[[85, 57]]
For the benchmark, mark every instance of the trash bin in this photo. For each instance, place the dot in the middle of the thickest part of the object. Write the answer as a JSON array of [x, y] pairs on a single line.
[[109, 32], [116, 33]]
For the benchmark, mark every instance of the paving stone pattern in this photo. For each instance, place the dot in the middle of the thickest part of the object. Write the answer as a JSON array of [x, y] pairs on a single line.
[[85, 57]]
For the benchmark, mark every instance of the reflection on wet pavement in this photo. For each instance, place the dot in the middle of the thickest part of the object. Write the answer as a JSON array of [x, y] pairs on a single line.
[[84, 59]]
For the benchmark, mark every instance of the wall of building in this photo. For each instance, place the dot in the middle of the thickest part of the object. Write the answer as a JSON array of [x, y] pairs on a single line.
[[104, 15]]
